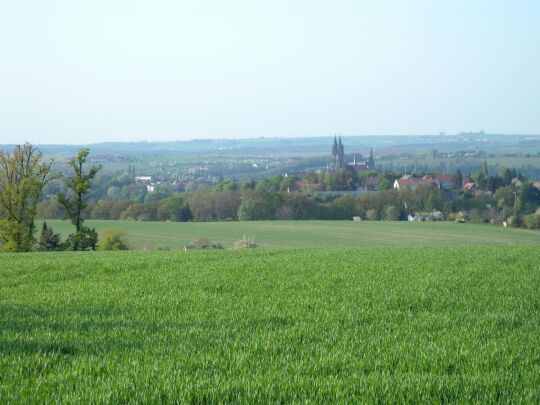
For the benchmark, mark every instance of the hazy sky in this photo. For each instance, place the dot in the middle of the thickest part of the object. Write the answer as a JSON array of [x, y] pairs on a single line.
[[78, 71]]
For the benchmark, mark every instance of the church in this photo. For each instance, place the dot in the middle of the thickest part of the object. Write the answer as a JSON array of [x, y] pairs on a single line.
[[337, 159]]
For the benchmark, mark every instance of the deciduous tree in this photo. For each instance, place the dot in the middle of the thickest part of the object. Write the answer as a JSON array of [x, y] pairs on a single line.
[[76, 200], [23, 175]]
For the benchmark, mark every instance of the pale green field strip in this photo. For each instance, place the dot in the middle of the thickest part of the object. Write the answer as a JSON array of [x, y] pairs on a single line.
[[280, 234]]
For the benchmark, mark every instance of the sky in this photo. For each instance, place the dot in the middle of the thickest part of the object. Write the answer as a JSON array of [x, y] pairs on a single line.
[[90, 71]]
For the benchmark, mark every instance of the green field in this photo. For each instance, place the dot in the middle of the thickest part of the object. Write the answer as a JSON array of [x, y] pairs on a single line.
[[272, 234], [396, 324]]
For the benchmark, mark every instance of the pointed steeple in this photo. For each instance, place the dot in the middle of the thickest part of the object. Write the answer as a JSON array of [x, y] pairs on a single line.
[[371, 161], [341, 152], [335, 147]]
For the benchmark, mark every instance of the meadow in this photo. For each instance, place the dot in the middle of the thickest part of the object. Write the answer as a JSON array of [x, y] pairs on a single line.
[[379, 324], [286, 234]]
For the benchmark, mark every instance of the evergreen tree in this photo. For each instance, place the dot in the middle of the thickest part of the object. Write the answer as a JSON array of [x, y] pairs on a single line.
[[485, 170], [48, 241], [457, 180], [186, 214]]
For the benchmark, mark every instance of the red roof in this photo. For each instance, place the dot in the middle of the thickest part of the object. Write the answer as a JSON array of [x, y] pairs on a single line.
[[408, 181], [469, 186]]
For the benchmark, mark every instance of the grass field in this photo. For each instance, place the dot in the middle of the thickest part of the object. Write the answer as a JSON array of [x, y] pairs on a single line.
[[271, 234], [397, 324]]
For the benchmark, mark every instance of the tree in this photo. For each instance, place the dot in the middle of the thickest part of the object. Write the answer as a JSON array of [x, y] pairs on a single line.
[[385, 185], [23, 175], [249, 210], [485, 170], [48, 240], [457, 180], [391, 213], [113, 239], [76, 200], [528, 199]]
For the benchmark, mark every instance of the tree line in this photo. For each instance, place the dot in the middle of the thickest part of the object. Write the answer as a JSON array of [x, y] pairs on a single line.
[[505, 197]]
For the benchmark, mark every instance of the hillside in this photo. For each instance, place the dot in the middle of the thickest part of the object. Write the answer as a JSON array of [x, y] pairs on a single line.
[[396, 324]]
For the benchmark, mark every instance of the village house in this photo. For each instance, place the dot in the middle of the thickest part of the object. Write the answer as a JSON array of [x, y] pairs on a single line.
[[469, 187], [442, 181], [371, 183], [412, 183]]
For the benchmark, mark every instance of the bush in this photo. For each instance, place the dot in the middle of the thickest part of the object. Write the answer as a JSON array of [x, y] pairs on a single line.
[[532, 221], [85, 239], [391, 213], [247, 242], [203, 243], [113, 239], [372, 215]]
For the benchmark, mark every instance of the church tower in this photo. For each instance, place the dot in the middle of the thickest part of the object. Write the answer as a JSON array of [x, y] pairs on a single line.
[[337, 159], [371, 161]]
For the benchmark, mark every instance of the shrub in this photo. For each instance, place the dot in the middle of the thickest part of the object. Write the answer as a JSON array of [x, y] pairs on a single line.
[[247, 242], [532, 221], [203, 243], [391, 213], [85, 239], [113, 239], [372, 215]]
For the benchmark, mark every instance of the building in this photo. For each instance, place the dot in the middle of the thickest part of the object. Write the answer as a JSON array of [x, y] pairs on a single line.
[[411, 183], [337, 160], [442, 181], [371, 183], [469, 187]]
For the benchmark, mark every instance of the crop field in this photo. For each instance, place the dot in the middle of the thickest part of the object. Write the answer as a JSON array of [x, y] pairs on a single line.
[[385, 324], [280, 234]]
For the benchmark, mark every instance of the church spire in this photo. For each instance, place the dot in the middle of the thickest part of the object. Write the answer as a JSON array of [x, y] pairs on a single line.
[[341, 151], [371, 161]]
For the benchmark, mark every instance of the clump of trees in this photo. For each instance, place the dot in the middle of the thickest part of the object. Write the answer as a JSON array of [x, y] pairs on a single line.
[[24, 174]]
